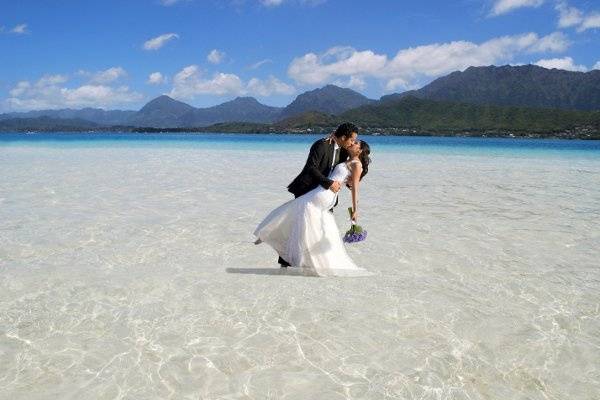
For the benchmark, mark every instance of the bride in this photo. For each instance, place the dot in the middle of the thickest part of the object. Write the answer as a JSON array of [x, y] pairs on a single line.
[[304, 232]]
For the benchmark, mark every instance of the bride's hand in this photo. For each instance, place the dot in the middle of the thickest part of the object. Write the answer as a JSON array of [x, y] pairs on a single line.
[[354, 216]]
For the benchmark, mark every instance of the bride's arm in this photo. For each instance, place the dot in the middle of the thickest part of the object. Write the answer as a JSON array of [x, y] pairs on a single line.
[[356, 169]]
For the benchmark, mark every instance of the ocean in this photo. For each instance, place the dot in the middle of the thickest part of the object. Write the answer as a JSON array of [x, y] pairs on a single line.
[[127, 271]]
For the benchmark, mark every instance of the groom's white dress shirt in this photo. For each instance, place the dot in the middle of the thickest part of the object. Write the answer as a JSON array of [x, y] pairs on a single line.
[[335, 148]]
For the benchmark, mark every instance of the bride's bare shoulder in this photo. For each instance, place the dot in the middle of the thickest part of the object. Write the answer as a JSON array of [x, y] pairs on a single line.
[[355, 167]]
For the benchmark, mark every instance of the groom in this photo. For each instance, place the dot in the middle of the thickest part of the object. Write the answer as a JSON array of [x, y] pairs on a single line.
[[323, 156]]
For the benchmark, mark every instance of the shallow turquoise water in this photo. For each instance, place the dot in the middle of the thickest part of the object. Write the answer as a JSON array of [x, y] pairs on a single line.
[[128, 270], [265, 142]]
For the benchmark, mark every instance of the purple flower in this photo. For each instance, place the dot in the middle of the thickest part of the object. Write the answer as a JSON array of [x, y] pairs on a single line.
[[353, 237], [356, 233]]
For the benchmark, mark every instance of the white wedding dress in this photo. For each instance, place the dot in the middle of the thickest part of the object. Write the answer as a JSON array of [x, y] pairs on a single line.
[[305, 234]]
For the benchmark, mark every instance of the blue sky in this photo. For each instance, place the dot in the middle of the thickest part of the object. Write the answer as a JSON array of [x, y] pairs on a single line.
[[121, 54]]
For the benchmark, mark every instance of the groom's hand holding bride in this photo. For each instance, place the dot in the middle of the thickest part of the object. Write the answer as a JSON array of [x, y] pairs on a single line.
[[335, 186]]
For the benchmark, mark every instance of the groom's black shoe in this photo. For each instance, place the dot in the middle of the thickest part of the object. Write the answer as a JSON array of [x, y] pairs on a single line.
[[283, 263]]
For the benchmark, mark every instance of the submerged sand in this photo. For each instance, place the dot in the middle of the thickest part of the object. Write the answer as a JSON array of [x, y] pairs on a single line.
[[130, 273]]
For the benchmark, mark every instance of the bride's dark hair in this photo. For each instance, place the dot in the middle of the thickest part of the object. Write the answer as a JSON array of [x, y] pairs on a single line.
[[364, 158]]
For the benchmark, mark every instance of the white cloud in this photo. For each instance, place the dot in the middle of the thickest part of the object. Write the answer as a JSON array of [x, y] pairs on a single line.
[[98, 95], [45, 82], [271, 3], [189, 83], [396, 83], [275, 3], [554, 42], [21, 88], [103, 77], [565, 63], [156, 78], [337, 61], [591, 21], [49, 93], [215, 56], [268, 87], [221, 83], [49, 80], [574, 17], [159, 41], [354, 82], [442, 58], [568, 16], [504, 6], [410, 65], [260, 63], [20, 29], [597, 65]]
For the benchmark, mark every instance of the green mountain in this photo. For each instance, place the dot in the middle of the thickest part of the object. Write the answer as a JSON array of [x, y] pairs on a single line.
[[163, 111], [329, 99], [523, 86], [96, 115], [246, 109], [449, 117], [414, 116], [406, 116], [527, 86], [46, 124], [525, 100], [309, 119]]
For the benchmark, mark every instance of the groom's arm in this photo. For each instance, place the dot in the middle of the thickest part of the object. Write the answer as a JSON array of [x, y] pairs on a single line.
[[315, 155]]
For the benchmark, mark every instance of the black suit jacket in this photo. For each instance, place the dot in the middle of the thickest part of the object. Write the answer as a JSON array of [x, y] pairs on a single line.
[[316, 169]]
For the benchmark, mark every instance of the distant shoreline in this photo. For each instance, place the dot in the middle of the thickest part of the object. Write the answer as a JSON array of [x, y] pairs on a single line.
[[367, 132]]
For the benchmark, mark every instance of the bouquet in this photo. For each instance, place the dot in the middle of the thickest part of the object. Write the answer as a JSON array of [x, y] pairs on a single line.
[[356, 233]]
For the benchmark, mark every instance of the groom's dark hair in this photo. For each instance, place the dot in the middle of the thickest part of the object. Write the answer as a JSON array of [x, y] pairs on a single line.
[[345, 129]]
